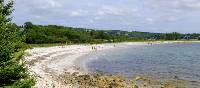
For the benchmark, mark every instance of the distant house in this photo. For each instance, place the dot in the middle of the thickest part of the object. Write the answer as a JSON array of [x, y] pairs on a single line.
[[186, 37], [198, 38], [152, 39], [118, 33], [126, 34]]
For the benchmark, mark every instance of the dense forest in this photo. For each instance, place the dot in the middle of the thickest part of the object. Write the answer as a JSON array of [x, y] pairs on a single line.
[[39, 34]]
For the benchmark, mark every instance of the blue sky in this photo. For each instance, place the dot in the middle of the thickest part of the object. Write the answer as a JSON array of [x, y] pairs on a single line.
[[130, 15]]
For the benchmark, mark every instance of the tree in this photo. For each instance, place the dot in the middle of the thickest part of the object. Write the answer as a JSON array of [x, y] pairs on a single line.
[[10, 43], [28, 25]]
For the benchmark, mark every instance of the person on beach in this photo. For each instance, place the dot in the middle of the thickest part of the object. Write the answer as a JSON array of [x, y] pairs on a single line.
[[93, 48], [149, 43]]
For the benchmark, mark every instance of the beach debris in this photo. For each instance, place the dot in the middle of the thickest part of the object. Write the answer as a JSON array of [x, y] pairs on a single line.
[[116, 81], [97, 81]]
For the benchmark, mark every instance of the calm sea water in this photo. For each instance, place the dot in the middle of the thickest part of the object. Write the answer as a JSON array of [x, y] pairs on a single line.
[[162, 61]]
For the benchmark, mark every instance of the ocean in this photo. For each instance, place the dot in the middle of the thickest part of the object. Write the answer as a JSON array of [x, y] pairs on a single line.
[[162, 61]]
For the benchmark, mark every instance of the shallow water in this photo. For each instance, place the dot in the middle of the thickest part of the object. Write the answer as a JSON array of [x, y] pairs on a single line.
[[163, 61]]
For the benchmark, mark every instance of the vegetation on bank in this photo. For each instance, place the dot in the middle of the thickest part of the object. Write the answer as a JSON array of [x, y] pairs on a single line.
[[48, 34], [12, 72]]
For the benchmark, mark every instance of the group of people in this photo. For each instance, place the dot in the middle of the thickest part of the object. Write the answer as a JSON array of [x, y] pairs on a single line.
[[94, 48], [150, 43]]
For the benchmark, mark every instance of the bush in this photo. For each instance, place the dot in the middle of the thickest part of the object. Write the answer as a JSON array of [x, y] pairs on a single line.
[[11, 50]]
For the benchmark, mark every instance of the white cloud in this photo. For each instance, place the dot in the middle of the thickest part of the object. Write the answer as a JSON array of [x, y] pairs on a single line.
[[111, 10], [105, 13], [54, 3], [170, 10], [150, 19], [79, 13], [176, 5], [91, 21], [116, 10], [43, 4], [173, 18], [97, 18]]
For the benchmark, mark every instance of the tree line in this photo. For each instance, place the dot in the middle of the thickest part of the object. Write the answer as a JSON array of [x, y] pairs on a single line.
[[42, 34]]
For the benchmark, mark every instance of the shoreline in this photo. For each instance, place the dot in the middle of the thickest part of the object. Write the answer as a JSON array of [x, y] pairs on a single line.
[[49, 63], [46, 64]]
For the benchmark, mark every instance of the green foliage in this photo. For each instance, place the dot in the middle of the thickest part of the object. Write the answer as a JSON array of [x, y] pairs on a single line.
[[10, 73], [28, 25], [24, 83], [38, 34], [171, 36], [10, 43]]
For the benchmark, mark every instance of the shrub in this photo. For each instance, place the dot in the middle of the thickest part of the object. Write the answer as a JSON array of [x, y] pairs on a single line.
[[11, 50]]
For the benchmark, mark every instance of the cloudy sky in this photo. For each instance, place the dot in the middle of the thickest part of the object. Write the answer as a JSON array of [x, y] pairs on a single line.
[[131, 15]]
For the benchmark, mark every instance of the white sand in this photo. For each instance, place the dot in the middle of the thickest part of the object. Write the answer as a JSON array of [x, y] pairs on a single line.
[[48, 63]]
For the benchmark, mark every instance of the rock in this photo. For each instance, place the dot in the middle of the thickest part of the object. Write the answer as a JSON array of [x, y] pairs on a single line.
[[138, 78], [135, 86]]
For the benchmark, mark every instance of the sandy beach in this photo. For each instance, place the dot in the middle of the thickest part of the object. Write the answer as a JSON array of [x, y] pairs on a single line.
[[47, 64]]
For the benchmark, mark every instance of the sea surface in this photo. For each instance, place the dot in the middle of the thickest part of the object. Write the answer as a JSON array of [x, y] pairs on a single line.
[[163, 61]]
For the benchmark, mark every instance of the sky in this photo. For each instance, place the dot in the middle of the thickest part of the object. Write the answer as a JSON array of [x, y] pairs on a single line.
[[129, 15]]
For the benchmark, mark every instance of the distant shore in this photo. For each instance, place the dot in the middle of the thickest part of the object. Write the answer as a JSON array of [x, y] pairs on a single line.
[[47, 64], [154, 41]]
